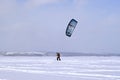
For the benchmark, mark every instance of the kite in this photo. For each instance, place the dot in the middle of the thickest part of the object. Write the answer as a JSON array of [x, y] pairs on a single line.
[[70, 28]]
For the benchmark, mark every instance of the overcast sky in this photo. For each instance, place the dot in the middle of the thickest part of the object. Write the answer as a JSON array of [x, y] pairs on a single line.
[[39, 25]]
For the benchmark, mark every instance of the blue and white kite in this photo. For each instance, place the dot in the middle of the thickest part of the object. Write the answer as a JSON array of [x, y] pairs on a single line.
[[70, 28]]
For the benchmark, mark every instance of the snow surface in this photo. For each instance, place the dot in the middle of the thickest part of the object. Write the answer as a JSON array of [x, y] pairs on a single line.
[[70, 68]]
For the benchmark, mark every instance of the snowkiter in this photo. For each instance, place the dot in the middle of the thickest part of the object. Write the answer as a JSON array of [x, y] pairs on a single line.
[[58, 56]]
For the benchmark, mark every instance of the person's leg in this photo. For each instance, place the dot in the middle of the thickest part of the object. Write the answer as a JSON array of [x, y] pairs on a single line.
[[60, 59], [57, 58]]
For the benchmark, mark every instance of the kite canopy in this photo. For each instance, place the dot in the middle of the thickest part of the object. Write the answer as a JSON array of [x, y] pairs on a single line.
[[70, 28]]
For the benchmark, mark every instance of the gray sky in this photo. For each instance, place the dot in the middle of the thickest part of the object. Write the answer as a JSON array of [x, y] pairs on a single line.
[[39, 25]]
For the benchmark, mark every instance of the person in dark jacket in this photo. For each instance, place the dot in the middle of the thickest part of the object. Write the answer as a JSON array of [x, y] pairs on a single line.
[[58, 56]]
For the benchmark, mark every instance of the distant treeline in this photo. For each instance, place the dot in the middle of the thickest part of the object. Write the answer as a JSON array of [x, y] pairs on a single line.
[[82, 54], [54, 54], [22, 54]]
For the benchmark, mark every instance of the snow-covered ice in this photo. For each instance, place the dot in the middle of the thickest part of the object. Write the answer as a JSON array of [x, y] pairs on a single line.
[[70, 68]]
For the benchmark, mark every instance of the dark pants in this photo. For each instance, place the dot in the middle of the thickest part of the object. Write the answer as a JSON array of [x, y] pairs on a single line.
[[58, 59]]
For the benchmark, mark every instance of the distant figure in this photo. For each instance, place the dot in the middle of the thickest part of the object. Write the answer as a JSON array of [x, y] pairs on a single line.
[[58, 56]]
